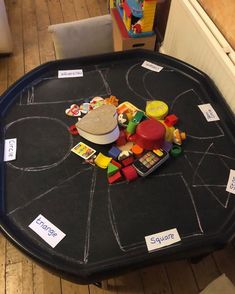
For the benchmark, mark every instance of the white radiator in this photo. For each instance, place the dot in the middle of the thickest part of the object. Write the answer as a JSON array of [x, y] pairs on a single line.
[[192, 37]]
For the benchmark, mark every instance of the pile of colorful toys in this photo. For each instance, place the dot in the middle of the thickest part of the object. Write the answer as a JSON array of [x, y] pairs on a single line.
[[146, 138]]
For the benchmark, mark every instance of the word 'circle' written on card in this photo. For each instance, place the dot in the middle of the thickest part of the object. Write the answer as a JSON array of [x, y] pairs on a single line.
[[74, 73], [10, 149], [231, 182], [209, 112], [152, 66], [162, 239], [47, 231]]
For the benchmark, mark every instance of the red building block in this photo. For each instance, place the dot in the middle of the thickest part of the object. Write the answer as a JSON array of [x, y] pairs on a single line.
[[116, 163], [115, 178], [171, 120], [127, 161], [129, 173]]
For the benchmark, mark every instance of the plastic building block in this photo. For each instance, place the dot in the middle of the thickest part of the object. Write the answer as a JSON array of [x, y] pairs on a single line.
[[114, 152], [102, 161], [137, 150], [121, 139], [115, 178], [112, 169], [130, 173], [176, 151], [171, 120], [178, 137], [127, 161], [117, 164]]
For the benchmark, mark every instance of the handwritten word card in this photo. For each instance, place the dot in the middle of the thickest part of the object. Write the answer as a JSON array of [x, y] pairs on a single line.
[[74, 73], [162, 239], [10, 149], [152, 66], [209, 112], [231, 182], [47, 231]]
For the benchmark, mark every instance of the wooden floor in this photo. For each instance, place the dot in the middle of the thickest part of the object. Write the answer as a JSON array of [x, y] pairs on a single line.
[[29, 20]]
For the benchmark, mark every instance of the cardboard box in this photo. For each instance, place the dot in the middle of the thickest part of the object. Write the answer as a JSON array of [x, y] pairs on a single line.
[[122, 41]]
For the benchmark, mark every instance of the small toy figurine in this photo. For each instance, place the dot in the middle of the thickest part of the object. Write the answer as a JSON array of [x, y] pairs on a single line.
[[123, 120], [136, 28]]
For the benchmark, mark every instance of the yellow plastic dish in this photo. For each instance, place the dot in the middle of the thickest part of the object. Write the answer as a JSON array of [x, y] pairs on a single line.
[[156, 109]]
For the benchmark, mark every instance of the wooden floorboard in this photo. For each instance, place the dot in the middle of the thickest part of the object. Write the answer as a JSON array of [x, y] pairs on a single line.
[[181, 278], [205, 271], [46, 48], [2, 257], [16, 60], [68, 10], [155, 280], [32, 45]]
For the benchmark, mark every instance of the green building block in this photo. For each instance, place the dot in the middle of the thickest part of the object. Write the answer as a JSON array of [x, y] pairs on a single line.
[[112, 169]]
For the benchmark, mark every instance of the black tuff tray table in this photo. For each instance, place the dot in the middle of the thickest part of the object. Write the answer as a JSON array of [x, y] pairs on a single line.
[[106, 225]]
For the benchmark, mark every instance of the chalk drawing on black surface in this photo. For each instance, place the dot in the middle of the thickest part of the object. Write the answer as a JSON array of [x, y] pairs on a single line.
[[114, 219], [214, 164], [40, 196], [88, 228], [53, 90], [185, 105], [140, 75], [138, 79], [103, 76], [145, 86], [51, 195], [39, 145]]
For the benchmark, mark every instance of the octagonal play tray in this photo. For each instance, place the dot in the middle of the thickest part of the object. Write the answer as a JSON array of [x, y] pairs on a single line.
[[105, 225]]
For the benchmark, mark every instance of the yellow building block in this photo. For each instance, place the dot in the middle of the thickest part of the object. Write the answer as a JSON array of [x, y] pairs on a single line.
[[102, 161]]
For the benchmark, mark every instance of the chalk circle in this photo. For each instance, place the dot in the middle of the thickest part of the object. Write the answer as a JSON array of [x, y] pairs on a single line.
[[42, 142]]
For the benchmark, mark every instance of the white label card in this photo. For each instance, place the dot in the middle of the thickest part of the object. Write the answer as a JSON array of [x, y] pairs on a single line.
[[74, 73], [209, 112], [162, 239], [10, 149], [47, 231], [152, 66], [231, 182]]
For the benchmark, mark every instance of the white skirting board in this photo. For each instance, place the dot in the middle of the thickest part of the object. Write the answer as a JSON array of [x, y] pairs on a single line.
[[192, 37]]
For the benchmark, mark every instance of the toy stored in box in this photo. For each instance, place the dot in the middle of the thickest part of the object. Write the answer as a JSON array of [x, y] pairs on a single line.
[[137, 16]]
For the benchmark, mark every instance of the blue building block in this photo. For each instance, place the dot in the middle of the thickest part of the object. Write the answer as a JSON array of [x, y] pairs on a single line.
[[114, 152]]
